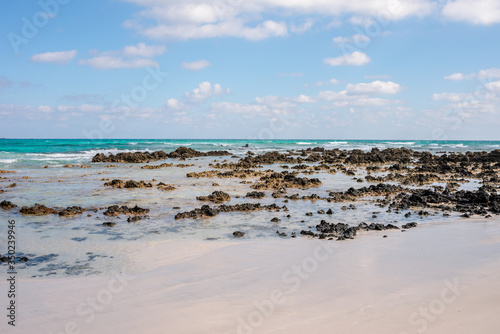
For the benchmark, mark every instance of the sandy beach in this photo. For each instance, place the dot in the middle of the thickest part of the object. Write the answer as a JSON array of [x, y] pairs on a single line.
[[441, 278]]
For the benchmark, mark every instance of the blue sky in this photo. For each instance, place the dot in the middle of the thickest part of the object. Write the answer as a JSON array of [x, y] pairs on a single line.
[[262, 69]]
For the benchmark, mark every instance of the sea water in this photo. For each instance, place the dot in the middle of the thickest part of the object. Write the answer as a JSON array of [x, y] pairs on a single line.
[[81, 245]]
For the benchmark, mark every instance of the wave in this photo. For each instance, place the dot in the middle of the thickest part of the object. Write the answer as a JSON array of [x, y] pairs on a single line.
[[455, 145], [400, 142], [8, 161]]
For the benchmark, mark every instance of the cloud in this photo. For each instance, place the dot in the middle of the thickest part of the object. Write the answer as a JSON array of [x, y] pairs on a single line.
[[357, 39], [110, 62], [174, 104], [192, 19], [143, 50], [234, 28], [304, 99], [356, 58], [483, 12], [361, 21], [205, 91], [45, 109], [59, 57], [491, 73], [452, 97], [132, 56], [455, 77], [332, 81], [302, 28], [90, 108], [195, 65], [374, 88], [246, 110], [361, 95], [493, 87]]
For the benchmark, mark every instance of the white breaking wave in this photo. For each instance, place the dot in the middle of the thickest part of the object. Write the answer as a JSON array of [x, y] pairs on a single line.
[[400, 142], [8, 161]]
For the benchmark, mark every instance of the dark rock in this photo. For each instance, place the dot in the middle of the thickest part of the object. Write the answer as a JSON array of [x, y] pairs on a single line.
[[281, 234], [256, 194], [38, 210], [238, 234], [137, 157], [134, 219], [6, 205], [116, 210], [128, 184], [71, 211], [216, 197]]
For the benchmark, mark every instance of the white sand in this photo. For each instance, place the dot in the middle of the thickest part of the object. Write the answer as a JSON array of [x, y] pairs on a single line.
[[442, 278]]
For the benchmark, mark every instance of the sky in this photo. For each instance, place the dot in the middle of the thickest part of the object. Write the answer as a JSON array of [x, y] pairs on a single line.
[[250, 69]]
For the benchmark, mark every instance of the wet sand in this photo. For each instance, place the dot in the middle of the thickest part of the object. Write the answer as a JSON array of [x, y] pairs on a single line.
[[438, 278]]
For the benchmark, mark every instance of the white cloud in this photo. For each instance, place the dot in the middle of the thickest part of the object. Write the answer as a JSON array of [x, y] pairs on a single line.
[[174, 104], [474, 11], [357, 39], [493, 87], [343, 99], [64, 108], [356, 58], [111, 62], [189, 19], [45, 109], [246, 110], [234, 28], [491, 73], [196, 65], [455, 77], [374, 88], [205, 91], [132, 56], [301, 28], [304, 99], [59, 57], [90, 108], [332, 81], [452, 97], [361, 21], [143, 50]]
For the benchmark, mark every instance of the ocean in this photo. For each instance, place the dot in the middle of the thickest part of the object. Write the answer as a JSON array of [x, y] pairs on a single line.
[[21, 153]]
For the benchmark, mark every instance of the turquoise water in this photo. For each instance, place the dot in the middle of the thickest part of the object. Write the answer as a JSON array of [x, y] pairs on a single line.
[[29, 152]]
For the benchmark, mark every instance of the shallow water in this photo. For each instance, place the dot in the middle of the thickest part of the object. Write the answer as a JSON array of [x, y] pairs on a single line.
[[84, 246]]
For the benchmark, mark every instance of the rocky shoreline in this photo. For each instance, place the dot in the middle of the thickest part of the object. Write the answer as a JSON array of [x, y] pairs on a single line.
[[404, 181]]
